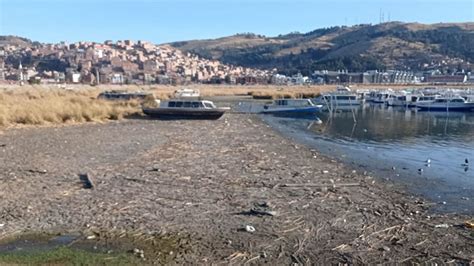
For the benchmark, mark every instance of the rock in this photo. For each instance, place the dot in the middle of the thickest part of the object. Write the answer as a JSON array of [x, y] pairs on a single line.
[[442, 226], [154, 168]]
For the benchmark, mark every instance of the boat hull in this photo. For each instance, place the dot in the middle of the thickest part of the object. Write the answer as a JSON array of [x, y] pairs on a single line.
[[181, 113], [452, 107], [293, 111], [441, 108]]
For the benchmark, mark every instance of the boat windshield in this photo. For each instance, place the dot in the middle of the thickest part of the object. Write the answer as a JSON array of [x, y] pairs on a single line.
[[208, 105]]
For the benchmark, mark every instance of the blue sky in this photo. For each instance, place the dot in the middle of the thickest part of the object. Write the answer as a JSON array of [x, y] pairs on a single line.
[[163, 21]]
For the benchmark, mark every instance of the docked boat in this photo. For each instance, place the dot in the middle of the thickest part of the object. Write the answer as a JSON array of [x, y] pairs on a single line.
[[456, 103], [186, 93], [397, 100], [379, 96], [343, 96], [423, 99], [123, 95], [185, 109], [291, 107]]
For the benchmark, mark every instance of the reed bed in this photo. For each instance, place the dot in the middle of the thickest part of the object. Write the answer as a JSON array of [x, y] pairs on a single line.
[[55, 106]]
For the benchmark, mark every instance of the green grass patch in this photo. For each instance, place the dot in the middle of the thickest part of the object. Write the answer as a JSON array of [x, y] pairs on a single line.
[[68, 256]]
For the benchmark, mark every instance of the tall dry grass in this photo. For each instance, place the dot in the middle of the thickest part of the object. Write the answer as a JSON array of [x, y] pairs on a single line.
[[54, 106]]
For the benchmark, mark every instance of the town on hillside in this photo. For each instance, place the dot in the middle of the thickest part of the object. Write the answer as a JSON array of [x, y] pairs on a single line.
[[141, 62]]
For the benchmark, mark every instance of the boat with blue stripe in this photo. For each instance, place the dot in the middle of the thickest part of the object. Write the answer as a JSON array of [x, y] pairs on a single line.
[[292, 107]]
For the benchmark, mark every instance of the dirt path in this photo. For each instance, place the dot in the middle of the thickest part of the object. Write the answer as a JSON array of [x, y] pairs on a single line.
[[211, 179]]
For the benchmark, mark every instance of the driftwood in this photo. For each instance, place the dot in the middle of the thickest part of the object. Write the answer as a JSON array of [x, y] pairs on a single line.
[[321, 185]]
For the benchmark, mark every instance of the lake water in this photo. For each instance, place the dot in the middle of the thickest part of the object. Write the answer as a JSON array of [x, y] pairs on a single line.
[[395, 143]]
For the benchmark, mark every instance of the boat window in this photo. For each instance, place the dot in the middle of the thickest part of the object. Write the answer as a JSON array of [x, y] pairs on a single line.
[[187, 104], [207, 105], [457, 100], [179, 104], [195, 104], [171, 104]]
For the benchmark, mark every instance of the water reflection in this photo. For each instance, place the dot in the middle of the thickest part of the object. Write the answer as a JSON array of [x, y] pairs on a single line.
[[382, 124], [380, 138]]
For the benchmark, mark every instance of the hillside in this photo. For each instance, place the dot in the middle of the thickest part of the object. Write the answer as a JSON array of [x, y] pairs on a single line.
[[357, 48], [15, 41]]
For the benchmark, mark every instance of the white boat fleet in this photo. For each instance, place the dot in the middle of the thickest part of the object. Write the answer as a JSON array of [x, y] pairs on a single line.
[[422, 99], [188, 105]]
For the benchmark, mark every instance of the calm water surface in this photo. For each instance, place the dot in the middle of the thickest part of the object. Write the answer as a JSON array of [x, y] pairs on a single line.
[[379, 138]]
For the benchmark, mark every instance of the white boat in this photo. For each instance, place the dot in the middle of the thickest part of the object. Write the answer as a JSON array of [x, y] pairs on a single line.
[[343, 96], [291, 107], [424, 99], [379, 96], [186, 93], [397, 100], [456, 103]]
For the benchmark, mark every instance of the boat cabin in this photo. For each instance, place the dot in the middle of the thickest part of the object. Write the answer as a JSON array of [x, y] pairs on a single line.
[[450, 100], [328, 98], [123, 95], [426, 98], [293, 102], [188, 104]]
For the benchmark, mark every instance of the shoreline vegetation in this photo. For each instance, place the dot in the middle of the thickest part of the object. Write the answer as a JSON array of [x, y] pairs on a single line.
[[51, 105]]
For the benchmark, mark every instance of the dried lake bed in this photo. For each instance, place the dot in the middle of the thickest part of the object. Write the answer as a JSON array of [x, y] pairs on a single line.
[[205, 183]]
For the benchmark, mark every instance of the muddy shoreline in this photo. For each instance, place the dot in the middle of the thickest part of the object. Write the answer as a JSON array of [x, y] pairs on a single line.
[[208, 180]]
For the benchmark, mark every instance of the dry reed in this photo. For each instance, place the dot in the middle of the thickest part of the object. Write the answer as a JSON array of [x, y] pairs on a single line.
[[54, 106]]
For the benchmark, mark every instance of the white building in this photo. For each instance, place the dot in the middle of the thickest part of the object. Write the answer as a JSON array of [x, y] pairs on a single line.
[[76, 77]]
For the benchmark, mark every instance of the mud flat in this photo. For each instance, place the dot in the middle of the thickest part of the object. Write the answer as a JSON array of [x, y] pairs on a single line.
[[225, 191]]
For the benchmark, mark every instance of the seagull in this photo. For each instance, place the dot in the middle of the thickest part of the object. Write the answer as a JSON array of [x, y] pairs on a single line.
[[428, 161], [420, 170], [466, 162]]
